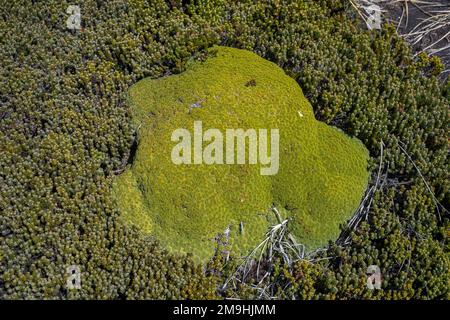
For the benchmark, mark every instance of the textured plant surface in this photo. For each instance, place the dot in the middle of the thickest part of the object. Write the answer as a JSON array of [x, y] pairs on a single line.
[[66, 131], [322, 173]]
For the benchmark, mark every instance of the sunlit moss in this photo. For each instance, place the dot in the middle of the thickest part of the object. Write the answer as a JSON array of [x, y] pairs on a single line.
[[322, 172]]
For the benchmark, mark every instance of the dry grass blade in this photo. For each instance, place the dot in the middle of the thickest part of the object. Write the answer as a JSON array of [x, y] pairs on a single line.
[[278, 242], [363, 210], [438, 205], [424, 24], [369, 11]]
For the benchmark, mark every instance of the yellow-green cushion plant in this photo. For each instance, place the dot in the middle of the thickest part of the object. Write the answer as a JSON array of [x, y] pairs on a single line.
[[322, 172]]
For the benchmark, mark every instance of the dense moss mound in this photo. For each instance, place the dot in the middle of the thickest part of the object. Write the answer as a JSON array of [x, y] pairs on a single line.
[[322, 172]]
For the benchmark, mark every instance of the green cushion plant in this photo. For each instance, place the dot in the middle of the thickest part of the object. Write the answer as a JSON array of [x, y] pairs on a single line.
[[322, 172]]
